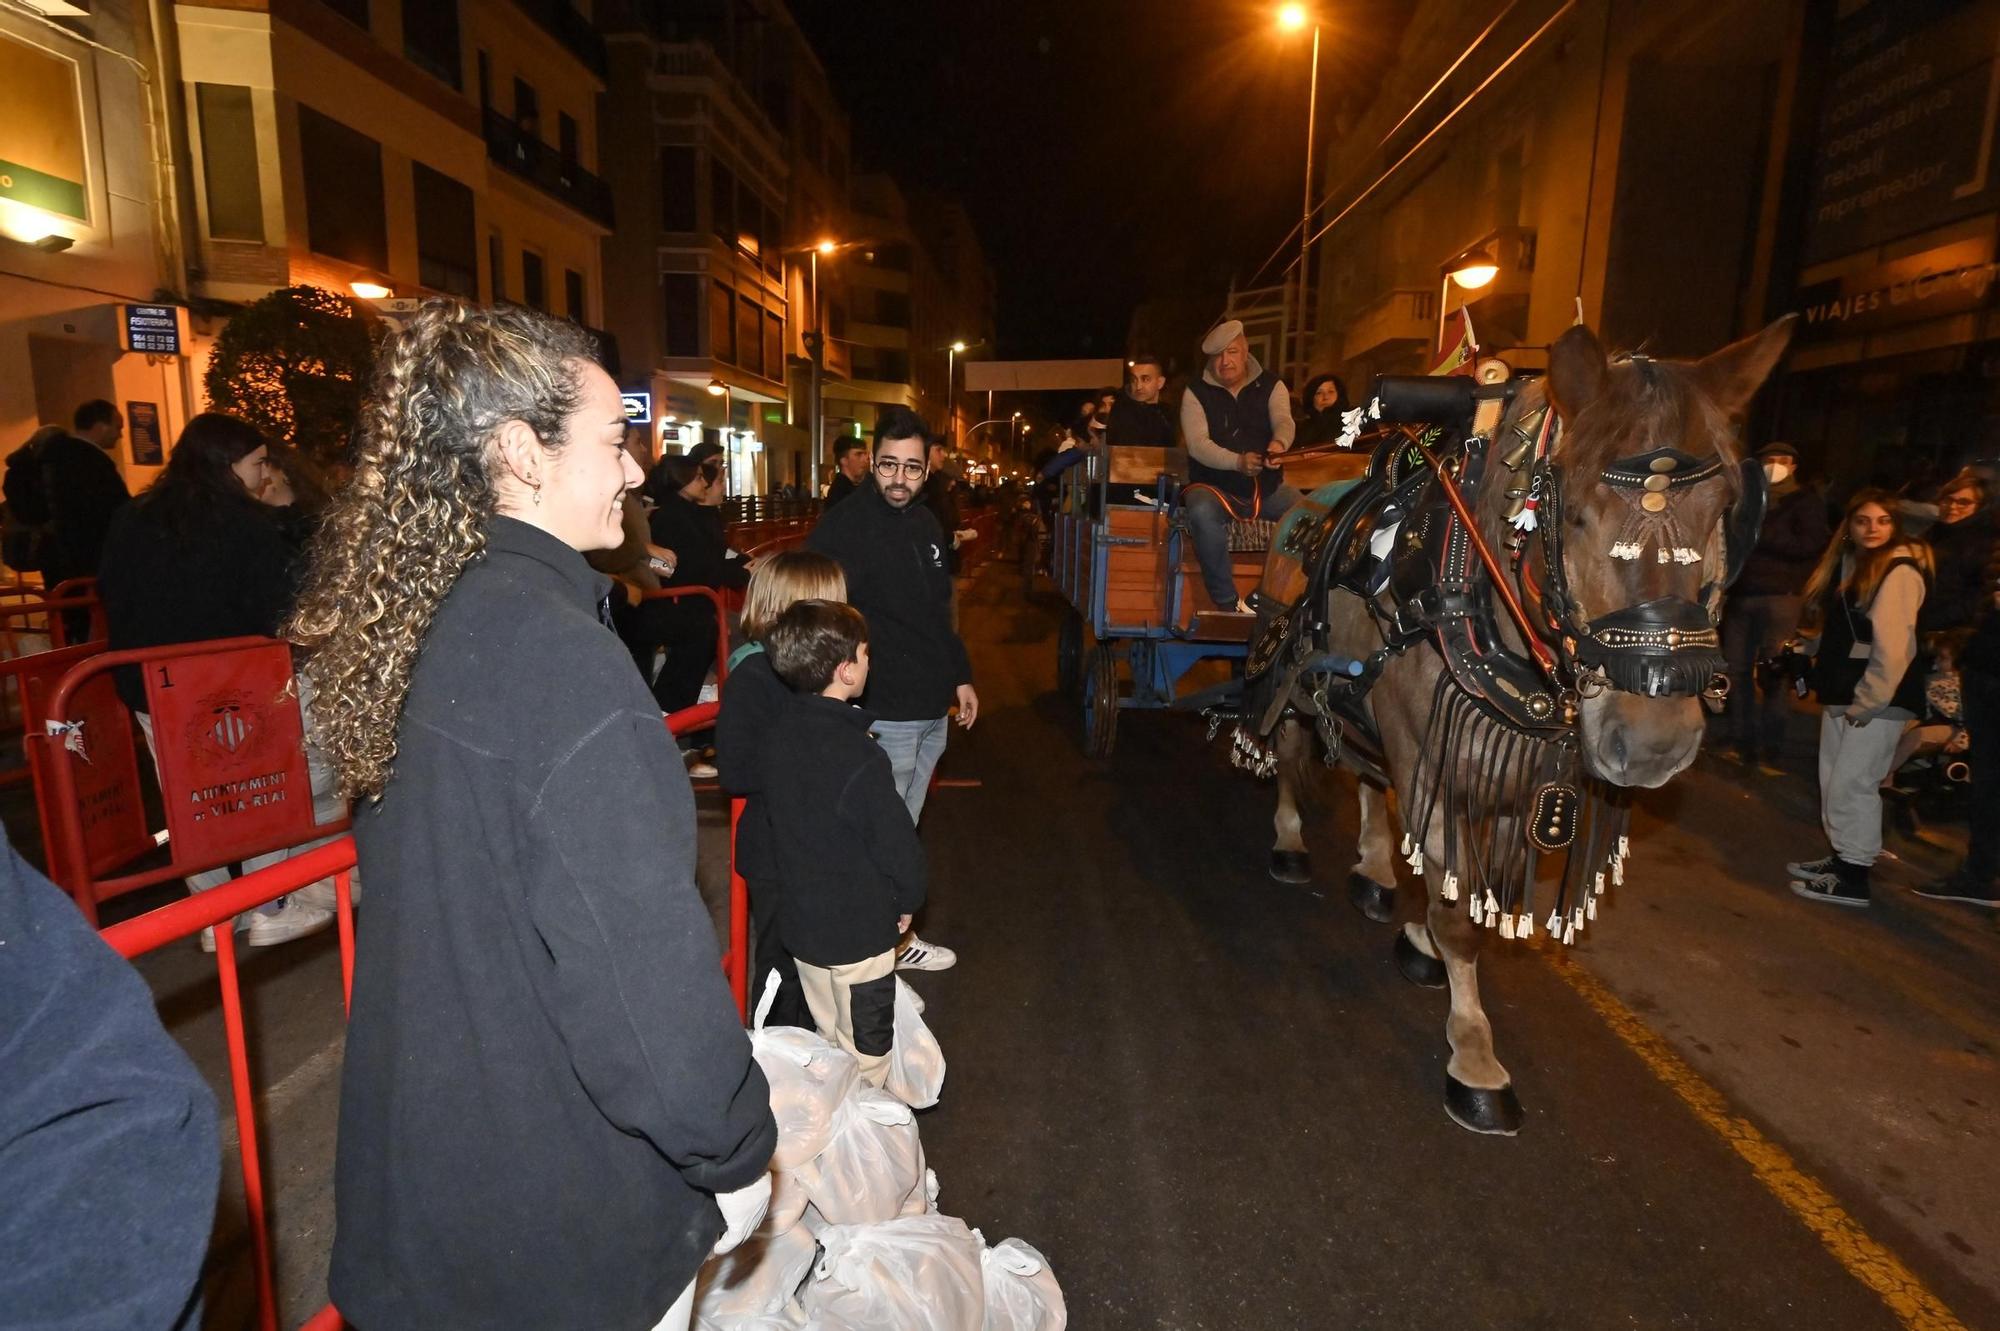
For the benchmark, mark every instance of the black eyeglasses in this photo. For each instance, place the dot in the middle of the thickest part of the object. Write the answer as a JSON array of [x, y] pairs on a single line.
[[887, 468]]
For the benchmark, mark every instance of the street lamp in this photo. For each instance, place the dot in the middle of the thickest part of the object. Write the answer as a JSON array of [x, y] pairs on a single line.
[[367, 289], [952, 353], [1471, 270], [716, 388], [1295, 18]]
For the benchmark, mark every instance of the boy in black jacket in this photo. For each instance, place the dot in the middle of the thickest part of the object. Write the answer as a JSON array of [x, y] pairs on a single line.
[[846, 850]]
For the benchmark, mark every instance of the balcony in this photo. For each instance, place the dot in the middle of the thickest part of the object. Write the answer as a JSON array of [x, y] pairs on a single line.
[[695, 60], [1407, 314], [572, 30], [563, 180]]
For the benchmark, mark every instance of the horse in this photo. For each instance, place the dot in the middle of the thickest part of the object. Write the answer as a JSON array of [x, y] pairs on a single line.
[[1511, 624]]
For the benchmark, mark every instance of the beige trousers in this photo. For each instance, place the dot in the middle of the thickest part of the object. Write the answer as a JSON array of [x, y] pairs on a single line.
[[854, 1007]]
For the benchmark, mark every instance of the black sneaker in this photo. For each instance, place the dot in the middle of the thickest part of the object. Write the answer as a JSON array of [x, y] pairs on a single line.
[[1813, 868], [1845, 885], [1960, 888]]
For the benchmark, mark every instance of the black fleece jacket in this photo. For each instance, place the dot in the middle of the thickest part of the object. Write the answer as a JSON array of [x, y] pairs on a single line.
[[841, 837], [897, 578], [747, 729], [1794, 534], [545, 1078]]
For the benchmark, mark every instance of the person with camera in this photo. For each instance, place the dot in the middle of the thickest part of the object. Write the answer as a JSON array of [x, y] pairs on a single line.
[[1763, 610], [1976, 882], [1861, 605]]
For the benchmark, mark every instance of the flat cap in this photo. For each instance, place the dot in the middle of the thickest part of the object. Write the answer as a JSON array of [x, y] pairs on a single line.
[[1221, 336], [1778, 449]]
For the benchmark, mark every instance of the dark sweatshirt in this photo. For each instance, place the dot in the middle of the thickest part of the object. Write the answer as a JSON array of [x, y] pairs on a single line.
[[1139, 424], [84, 491], [897, 578], [841, 837], [1793, 537], [108, 1148], [546, 1078], [695, 533], [746, 729], [236, 577]]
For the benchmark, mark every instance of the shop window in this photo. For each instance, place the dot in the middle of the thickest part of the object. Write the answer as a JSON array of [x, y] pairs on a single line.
[[447, 244], [680, 305], [679, 210], [229, 161], [721, 323], [343, 178], [534, 282], [573, 295], [430, 39], [749, 336]]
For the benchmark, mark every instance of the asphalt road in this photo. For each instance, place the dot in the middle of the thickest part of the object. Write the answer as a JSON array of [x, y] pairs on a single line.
[[1213, 1103]]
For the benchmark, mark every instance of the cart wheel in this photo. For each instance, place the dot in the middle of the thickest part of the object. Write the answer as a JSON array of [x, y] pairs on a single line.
[[1100, 701], [1069, 656]]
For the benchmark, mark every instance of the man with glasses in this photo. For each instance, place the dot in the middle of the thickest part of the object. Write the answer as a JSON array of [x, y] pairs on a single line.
[[898, 576]]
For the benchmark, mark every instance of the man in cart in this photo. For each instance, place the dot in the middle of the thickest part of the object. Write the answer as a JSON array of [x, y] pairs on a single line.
[[1236, 420]]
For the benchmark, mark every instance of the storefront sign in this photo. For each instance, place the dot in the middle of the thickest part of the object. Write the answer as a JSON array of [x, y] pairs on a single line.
[[638, 407], [154, 329], [1950, 279], [41, 131], [1906, 138], [231, 754], [142, 427]]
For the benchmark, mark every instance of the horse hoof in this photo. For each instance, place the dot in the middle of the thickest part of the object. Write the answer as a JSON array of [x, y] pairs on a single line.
[[1291, 866], [1418, 969], [1371, 898], [1476, 1109]]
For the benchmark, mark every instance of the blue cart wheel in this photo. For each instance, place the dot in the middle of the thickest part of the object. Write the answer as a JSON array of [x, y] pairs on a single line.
[[1100, 701]]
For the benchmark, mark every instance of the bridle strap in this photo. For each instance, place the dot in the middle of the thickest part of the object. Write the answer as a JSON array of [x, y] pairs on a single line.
[[1543, 657]]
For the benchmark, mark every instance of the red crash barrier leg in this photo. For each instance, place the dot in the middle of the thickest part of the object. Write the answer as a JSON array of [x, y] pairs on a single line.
[[738, 961], [246, 1122], [343, 901]]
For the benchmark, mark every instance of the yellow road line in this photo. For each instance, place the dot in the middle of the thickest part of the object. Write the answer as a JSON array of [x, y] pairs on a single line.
[[1801, 1194]]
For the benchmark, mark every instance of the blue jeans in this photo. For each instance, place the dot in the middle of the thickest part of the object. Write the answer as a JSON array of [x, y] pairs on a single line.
[[1208, 522], [914, 748]]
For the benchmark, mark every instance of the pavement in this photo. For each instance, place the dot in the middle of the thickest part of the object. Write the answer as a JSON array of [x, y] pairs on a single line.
[[1212, 1102]]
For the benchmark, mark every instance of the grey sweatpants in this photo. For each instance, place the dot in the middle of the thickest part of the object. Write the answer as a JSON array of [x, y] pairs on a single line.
[[1852, 762]]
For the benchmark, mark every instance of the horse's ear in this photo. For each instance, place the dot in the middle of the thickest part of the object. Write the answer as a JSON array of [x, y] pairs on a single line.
[[1733, 375], [1577, 366]]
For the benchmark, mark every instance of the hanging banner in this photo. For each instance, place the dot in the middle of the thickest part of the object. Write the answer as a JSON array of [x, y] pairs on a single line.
[[231, 754], [97, 742]]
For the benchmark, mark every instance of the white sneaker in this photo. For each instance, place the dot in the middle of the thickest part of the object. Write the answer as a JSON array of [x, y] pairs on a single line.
[[699, 770], [922, 956], [295, 919]]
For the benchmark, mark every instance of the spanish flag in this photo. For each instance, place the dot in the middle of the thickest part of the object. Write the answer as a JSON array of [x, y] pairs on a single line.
[[1460, 354]]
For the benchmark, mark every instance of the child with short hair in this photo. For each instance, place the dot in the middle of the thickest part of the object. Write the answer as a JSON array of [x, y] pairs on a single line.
[[845, 848], [747, 731]]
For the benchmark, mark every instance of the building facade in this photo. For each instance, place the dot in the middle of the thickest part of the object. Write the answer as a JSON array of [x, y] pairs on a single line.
[[1683, 173]]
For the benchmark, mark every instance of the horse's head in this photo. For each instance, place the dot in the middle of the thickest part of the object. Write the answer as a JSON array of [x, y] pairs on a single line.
[[1647, 509]]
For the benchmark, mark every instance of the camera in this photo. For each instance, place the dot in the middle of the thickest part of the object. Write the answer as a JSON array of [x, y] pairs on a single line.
[[1788, 667]]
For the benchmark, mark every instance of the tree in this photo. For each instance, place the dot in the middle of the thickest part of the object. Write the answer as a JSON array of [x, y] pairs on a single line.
[[295, 364]]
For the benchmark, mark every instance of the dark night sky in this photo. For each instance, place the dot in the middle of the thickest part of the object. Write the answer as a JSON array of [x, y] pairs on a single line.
[[1107, 150]]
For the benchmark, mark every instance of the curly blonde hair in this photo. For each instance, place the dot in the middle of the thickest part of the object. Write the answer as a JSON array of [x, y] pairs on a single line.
[[414, 513]]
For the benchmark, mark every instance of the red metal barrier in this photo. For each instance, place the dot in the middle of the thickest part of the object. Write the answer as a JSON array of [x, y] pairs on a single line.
[[190, 775], [721, 621], [214, 910], [736, 960]]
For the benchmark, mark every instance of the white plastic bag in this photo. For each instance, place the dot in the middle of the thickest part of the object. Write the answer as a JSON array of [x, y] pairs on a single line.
[[873, 1162], [1021, 1291], [759, 1278], [914, 1273], [924, 1200], [916, 1064], [809, 1080], [789, 1199]]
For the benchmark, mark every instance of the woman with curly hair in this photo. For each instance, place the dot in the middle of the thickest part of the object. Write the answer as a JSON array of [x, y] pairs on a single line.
[[1861, 604], [549, 1114]]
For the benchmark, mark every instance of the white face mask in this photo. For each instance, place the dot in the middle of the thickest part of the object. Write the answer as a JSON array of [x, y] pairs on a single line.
[[1777, 473]]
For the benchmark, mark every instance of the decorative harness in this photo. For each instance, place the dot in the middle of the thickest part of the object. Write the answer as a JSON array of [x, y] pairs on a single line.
[[1501, 761]]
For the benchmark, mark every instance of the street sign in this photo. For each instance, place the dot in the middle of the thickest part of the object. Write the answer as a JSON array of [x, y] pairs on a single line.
[[153, 329], [638, 407]]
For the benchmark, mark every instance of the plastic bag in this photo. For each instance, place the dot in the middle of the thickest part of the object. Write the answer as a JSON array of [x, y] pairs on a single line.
[[789, 1200], [756, 1279], [916, 1064], [873, 1162], [809, 1081], [924, 1200], [1021, 1291], [914, 1273]]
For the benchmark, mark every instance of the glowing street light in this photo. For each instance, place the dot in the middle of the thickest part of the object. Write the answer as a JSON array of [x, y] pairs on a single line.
[[826, 247], [1474, 269], [1293, 18], [368, 290]]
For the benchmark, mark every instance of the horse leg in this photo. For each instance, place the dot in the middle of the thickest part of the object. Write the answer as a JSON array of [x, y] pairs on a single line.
[[1290, 862], [1478, 1094], [1372, 884]]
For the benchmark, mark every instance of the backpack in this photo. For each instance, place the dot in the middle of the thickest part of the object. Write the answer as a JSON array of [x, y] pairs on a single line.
[[26, 526]]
